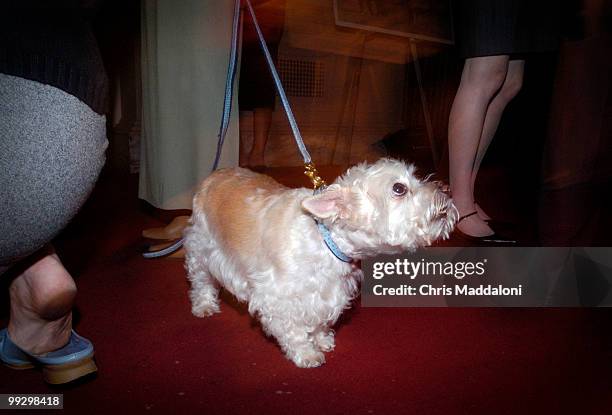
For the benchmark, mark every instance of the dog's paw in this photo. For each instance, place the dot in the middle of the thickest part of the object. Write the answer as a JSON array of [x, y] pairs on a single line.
[[325, 341], [205, 310], [309, 359]]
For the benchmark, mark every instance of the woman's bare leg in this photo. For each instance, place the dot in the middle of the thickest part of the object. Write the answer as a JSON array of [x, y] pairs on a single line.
[[512, 85], [262, 118], [481, 80]]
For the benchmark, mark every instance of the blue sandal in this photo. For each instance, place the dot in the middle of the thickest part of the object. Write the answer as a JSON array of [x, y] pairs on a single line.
[[64, 365]]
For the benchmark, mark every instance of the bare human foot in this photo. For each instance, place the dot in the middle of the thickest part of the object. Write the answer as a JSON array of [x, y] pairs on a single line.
[[41, 299]]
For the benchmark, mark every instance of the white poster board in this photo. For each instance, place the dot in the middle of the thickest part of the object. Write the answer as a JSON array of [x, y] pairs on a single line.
[[427, 20]]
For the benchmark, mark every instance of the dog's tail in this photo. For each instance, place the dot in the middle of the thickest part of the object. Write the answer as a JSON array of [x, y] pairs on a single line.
[[166, 251]]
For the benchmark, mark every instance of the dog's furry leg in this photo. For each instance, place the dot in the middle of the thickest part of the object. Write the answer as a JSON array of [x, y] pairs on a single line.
[[294, 340], [204, 292], [323, 338]]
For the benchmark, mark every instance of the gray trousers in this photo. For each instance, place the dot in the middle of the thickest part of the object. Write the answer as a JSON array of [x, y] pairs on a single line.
[[52, 149]]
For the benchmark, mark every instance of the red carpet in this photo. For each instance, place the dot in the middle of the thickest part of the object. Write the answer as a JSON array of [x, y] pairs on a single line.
[[155, 357]]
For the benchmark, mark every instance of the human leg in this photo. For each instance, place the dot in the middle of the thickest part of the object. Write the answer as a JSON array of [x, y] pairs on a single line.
[[510, 88], [262, 118], [51, 151], [481, 80]]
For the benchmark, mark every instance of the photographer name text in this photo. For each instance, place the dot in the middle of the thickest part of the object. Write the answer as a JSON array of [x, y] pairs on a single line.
[[457, 270]]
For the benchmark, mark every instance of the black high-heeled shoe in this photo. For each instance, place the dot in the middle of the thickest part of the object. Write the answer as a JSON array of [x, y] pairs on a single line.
[[487, 240], [496, 222]]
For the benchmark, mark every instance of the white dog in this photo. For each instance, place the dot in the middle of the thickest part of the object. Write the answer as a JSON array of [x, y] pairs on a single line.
[[260, 241]]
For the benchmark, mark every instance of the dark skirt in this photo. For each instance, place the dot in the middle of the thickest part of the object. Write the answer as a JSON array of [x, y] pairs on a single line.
[[257, 89], [52, 149], [506, 27]]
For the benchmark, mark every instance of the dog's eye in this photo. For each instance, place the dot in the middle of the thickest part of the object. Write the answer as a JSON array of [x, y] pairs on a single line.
[[399, 189]]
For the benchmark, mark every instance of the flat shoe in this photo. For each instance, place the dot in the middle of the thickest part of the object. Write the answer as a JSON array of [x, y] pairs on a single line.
[[173, 230], [64, 365], [11, 355]]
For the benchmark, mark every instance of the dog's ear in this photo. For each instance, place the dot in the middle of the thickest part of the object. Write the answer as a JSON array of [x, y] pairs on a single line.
[[326, 204]]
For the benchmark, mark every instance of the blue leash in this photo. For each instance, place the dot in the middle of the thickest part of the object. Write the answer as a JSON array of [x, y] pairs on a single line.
[[231, 76], [229, 82], [317, 181], [279, 87], [311, 170], [225, 116]]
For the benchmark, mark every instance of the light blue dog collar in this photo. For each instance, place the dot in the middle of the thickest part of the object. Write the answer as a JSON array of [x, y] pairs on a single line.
[[326, 234], [329, 242]]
